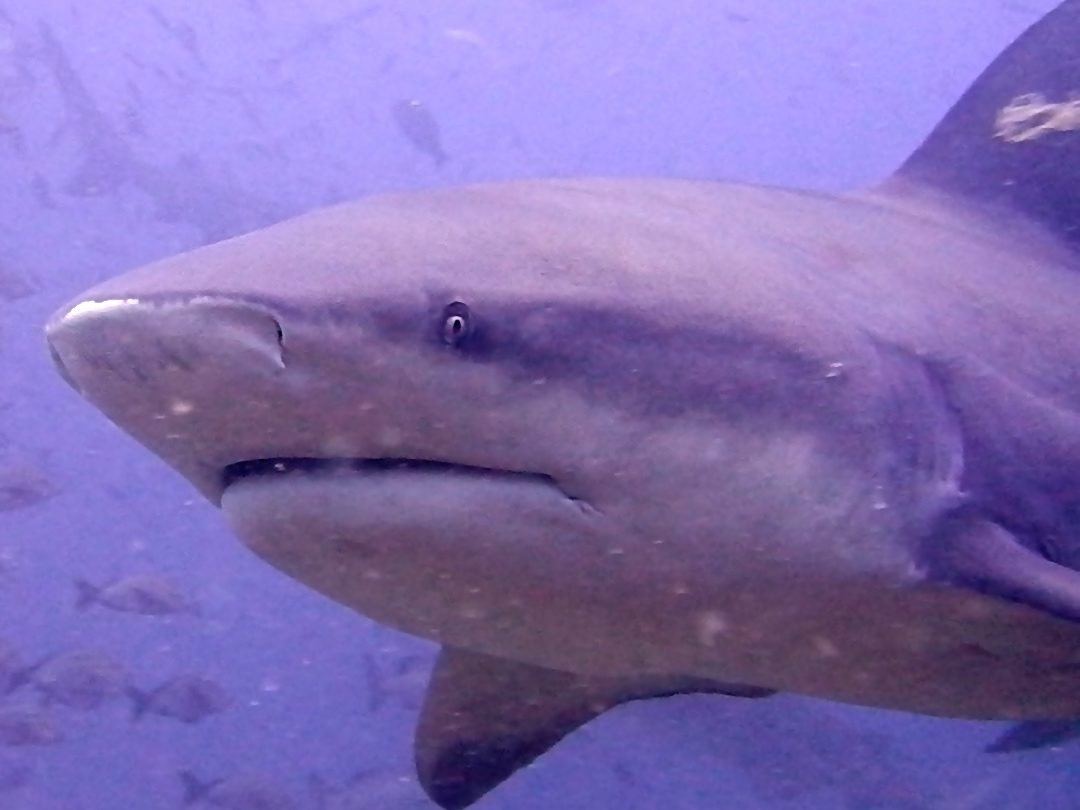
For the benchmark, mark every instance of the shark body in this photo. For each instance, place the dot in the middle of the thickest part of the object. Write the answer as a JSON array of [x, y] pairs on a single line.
[[615, 439]]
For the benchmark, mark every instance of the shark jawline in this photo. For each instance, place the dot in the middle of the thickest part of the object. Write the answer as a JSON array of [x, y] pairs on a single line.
[[280, 466]]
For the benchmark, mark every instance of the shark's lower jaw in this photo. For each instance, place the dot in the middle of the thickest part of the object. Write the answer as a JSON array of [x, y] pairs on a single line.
[[428, 547], [282, 466]]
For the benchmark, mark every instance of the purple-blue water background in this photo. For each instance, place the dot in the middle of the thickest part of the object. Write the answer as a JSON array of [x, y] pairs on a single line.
[[129, 131]]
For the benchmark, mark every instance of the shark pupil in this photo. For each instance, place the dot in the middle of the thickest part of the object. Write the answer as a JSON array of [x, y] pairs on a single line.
[[455, 323]]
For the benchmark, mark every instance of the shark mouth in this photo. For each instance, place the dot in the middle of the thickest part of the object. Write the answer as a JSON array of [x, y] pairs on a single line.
[[271, 467]]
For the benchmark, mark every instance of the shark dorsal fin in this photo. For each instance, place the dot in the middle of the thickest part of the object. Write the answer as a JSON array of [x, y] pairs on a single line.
[[1013, 138]]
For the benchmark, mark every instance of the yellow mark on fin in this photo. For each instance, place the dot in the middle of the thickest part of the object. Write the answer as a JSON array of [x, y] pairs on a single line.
[[1031, 116]]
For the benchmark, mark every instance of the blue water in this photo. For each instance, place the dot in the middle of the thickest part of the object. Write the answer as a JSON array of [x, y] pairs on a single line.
[[130, 131]]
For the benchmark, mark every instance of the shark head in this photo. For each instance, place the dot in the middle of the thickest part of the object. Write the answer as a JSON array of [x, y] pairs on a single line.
[[446, 408], [612, 439], [488, 414]]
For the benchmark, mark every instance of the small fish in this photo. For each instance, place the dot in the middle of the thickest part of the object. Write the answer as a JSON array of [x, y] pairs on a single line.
[[569, 5], [241, 792], [415, 121], [7, 562], [187, 698], [23, 484], [465, 35], [369, 790], [26, 725], [11, 668], [84, 679], [179, 30], [1034, 734], [148, 594], [405, 680], [15, 285], [42, 192], [15, 772]]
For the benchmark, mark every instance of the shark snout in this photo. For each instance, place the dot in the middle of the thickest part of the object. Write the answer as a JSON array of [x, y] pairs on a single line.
[[131, 343], [178, 375], [59, 364]]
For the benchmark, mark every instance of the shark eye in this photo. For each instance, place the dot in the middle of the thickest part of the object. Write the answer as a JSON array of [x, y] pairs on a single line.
[[457, 323]]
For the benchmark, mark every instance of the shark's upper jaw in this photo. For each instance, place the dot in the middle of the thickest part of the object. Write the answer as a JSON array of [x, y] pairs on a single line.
[[211, 386]]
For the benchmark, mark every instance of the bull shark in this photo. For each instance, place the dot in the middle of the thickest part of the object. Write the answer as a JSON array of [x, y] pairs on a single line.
[[613, 439]]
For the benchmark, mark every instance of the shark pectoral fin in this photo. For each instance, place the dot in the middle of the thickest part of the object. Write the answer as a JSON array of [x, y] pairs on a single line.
[[986, 556], [484, 717], [1034, 734]]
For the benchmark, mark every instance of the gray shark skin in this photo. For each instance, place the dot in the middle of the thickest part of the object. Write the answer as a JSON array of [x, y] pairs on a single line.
[[615, 439]]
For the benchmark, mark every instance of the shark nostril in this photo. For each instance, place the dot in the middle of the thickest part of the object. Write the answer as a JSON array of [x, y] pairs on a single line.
[[61, 367], [279, 334]]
